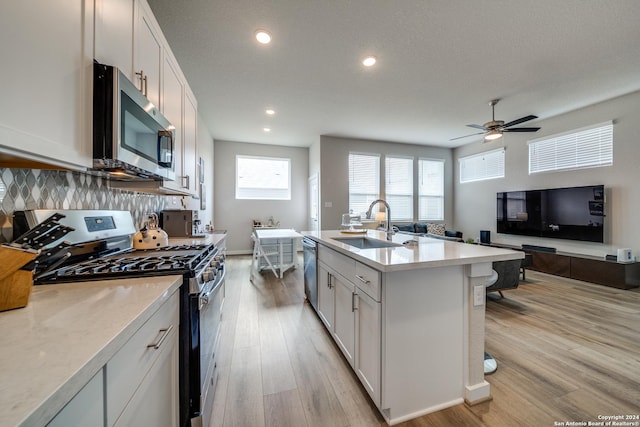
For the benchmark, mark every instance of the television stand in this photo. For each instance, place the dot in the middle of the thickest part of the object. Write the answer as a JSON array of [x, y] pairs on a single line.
[[587, 268]]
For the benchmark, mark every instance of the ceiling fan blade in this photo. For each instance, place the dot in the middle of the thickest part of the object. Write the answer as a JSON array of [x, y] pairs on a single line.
[[520, 120], [460, 137], [521, 130], [477, 127]]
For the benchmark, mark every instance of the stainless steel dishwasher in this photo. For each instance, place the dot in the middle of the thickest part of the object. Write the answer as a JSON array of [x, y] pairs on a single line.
[[310, 271]]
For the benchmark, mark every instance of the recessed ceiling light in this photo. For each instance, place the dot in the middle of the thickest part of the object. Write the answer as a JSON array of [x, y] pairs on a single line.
[[369, 61], [270, 111], [266, 129], [263, 36]]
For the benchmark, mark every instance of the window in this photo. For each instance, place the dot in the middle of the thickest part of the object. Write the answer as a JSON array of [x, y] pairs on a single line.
[[364, 181], [478, 167], [398, 182], [430, 190], [266, 178], [591, 146]]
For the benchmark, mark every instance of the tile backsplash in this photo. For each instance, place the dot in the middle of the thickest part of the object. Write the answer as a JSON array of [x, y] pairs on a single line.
[[22, 189]]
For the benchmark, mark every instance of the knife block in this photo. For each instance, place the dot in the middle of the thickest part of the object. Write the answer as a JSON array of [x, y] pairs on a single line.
[[15, 284]]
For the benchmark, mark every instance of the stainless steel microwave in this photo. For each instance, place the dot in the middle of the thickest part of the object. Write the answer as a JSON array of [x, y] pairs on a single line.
[[131, 138]]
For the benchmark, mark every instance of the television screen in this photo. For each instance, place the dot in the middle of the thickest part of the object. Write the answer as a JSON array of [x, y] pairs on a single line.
[[575, 213]]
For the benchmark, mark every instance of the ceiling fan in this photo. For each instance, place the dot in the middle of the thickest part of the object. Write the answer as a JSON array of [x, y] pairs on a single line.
[[493, 130]]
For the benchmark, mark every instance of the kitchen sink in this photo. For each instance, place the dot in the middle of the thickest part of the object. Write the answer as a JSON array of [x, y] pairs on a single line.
[[366, 242]]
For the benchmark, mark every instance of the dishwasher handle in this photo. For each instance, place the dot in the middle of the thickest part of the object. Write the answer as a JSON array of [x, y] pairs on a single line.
[[309, 244]]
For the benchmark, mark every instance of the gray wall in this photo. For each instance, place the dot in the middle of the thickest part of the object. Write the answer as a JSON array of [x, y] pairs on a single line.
[[334, 177], [475, 205], [236, 215]]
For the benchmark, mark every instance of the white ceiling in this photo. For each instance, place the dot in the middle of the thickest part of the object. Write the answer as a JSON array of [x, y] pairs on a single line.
[[439, 64]]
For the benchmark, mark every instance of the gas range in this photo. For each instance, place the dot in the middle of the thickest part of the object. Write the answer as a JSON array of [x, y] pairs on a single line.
[[191, 261]]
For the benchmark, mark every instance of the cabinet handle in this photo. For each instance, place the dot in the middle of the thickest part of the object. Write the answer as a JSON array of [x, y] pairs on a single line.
[[353, 302], [142, 79], [363, 279], [146, 92], [166, 332], [329, 285]]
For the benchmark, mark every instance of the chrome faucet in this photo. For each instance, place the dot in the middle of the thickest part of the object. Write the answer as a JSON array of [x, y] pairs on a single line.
[[388, 225]]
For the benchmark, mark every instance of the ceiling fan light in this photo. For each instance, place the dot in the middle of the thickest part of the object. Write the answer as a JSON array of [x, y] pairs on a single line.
[[492, 135]]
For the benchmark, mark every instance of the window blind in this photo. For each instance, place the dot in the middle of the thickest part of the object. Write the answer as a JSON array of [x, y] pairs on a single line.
[[265, 178], [364, 181], [591, 146], [399, 187], [430, 190], [478, 167]]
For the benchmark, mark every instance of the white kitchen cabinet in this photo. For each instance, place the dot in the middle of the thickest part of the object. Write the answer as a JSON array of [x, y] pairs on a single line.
[[155, 402], [86, 408], [147, 53], [357, 311], [47, 56], [326, 297], [142, 377], [344, 327], [172, 106], [114, 34], [189, 151], [368, 344]]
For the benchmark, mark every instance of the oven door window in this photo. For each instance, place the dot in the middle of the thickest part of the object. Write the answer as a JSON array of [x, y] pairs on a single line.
[[144, 136]]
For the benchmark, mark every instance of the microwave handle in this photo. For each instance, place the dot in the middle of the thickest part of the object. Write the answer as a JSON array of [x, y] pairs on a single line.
[[163, 136]]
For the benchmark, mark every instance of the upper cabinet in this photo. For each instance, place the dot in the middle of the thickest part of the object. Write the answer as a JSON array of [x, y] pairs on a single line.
[[47, 80], [47, 55], [114, 34], [147, 53], [136, 45], [172, 106], [189, 150]]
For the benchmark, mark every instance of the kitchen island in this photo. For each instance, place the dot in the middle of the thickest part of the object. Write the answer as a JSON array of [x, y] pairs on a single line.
[[408, 315]]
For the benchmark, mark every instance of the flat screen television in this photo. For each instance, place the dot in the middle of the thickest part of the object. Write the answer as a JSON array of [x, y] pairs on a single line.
[[575, 213]]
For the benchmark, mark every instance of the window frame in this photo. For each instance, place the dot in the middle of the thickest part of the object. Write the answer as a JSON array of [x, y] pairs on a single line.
[[441, 196], [411, 195], [482, 173], [353, 206], [263, 193], [569, 150]]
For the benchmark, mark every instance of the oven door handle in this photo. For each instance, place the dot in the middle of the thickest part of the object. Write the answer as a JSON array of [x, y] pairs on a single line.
[[204, 298]]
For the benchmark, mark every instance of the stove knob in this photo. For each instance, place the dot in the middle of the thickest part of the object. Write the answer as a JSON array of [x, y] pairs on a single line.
[[209, 274]]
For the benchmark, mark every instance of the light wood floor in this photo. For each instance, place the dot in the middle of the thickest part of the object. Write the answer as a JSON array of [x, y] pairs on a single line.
[[566, 351]]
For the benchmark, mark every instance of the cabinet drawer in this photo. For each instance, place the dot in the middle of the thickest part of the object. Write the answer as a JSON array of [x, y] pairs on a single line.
[[338, 262], [368, 279], [130, 364]]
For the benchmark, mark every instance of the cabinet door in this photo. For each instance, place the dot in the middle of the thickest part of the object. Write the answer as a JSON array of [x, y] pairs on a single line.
[[114, 34], [368, 346], [147, 54], [46, 108], [344, 327], [86, 408], [172, 107], [190, 137], [326, 293], [155, 402]]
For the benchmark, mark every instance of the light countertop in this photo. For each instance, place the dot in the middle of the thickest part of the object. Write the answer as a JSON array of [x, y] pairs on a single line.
[[428, 252], [51, 348]]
